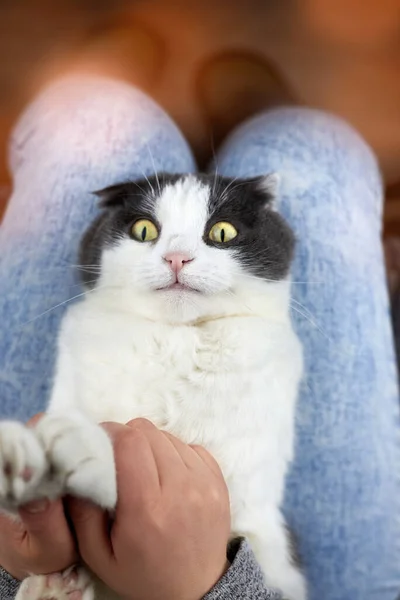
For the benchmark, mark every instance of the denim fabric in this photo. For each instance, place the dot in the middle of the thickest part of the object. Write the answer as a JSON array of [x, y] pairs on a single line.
[[343, 493], [78, 137]]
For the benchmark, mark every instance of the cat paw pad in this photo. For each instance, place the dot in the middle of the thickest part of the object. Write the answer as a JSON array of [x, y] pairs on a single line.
[[73, 584], [22, 464]]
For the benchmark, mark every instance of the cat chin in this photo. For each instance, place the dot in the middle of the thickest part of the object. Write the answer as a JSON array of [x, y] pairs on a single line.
[[172, 306], [175, 305], [182, 305]]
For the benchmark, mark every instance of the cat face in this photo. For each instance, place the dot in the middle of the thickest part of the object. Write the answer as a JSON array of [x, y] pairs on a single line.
[[181, 245]]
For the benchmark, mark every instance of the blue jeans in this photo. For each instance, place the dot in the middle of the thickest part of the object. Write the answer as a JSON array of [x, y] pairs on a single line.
[[82, 134]]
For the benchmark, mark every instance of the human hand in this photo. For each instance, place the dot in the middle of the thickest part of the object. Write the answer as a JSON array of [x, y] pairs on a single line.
[[172, 521], [40, 542]]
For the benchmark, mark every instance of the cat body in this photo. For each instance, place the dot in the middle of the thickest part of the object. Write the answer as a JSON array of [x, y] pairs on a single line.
[[182, 330]]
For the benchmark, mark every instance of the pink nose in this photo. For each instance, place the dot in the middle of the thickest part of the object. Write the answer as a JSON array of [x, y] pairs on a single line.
[[177, 261]]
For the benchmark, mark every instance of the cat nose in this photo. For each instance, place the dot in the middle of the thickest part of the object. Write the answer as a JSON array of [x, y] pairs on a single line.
[[177, 261]]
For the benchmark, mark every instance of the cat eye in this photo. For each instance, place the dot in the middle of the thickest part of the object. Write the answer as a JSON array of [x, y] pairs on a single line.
[[144, 230], [222, 232]]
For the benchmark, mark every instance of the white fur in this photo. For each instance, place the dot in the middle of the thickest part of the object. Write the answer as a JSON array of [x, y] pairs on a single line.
[[58, 586], [219, 367]]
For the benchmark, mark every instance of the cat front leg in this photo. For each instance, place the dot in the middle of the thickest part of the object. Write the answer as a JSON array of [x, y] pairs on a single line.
[[62, 454], [81, 457], [23, 465], [270, 540]]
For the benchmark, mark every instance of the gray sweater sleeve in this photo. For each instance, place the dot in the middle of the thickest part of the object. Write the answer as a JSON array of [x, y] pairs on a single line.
[[8, 586], [242, 581]]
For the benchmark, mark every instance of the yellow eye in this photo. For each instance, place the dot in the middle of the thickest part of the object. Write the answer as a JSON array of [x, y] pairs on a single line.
[[144, 231], [222, 232]]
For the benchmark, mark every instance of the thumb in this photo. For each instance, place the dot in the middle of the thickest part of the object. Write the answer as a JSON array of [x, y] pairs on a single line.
[[92, 526], [47, 530], [43, 518]]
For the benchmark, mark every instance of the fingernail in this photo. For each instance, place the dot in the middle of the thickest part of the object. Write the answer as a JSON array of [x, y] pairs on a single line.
[[36, 507]]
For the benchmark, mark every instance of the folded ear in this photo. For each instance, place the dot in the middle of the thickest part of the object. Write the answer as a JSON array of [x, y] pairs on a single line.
[[269, 185], [267, 188], [112, 196]]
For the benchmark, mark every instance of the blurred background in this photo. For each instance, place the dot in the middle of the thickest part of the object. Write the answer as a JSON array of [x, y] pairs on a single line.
[[210, 63]]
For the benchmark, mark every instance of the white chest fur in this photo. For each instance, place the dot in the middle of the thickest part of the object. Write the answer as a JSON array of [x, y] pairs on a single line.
[[228, 384]]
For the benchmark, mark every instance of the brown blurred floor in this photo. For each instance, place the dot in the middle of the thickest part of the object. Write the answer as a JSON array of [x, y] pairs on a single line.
[[340, 55]]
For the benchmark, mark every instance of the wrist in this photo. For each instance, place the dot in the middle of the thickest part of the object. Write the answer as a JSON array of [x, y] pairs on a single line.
[[221, 572], [12, 572], [8, 584], [243, 579]]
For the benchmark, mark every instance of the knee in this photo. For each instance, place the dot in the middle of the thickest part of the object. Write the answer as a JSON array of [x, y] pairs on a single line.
[[308, 147], [90, 120]]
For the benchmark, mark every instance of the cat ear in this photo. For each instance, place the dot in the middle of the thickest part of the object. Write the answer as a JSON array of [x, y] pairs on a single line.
[[269, 185], [112, 196]]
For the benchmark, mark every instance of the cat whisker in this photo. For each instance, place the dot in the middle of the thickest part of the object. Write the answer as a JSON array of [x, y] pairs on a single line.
[[229, 185], [304, 315], [215, 163], [64, 303], [91, 270], [224, 195], [154, 168], [147, 179], [86, 267], [138, 186], [84, 272], [309, 282], [309, 316], [215, 179], [74, 285], [311, 320], [275, 280], [307, 310], [243, 303], [94, 269], [263, 251], [79, 266], [145, 194]]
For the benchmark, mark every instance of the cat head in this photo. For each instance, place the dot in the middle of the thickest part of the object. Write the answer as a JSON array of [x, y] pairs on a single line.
[[187, 247]]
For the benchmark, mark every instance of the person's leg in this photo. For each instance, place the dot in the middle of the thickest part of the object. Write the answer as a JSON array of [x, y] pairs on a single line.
[[343, 494], [80, 135]]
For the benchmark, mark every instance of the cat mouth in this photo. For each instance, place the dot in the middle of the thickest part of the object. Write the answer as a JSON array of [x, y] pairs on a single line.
[[177, 286]]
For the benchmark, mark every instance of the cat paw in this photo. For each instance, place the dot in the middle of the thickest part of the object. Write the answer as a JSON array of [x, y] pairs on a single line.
[[62, 454], [22, 465], [73, 584], [81, 457]]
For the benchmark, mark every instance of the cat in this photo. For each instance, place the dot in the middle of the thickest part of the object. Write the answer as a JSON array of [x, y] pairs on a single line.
[[186, 323]]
